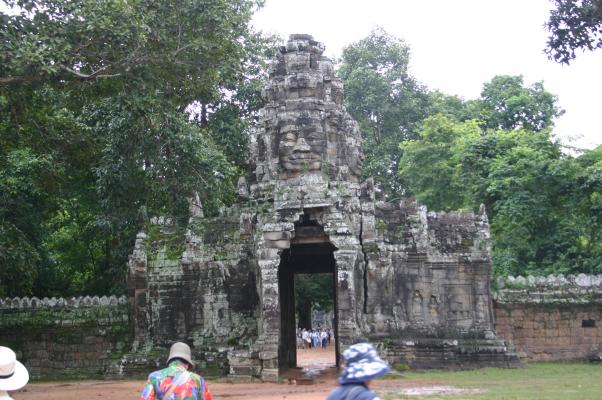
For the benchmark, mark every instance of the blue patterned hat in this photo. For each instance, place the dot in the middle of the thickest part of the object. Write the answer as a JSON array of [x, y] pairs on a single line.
[[362, 364]]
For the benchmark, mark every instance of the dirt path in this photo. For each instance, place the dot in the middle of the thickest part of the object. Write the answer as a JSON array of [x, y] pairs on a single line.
[[311, 359], [122, 390], [308, 360]]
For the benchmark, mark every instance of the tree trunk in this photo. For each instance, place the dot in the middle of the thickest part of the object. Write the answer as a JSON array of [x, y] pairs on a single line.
[[305, 315]]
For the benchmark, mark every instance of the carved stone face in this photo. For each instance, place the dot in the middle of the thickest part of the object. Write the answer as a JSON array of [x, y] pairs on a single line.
[[356, 162], [301, 151]]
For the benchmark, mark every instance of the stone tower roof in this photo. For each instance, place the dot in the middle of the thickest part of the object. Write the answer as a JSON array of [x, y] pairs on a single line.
[[304, 129]]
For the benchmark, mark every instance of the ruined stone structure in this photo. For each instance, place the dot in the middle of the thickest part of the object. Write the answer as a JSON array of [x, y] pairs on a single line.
[[80, 337], [551, 318], [416, 282], [545, 318]]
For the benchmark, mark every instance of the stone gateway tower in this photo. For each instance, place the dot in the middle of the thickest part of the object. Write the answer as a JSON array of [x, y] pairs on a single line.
[[412, 281]]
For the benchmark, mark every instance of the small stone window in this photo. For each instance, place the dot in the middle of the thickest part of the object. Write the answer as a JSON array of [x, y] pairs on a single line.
[[588, 323]]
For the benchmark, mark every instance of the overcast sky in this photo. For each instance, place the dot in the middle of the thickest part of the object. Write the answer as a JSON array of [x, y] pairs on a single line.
[[457, 45]]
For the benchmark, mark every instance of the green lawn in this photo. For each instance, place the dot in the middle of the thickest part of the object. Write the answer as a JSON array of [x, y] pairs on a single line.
[[564, 381]]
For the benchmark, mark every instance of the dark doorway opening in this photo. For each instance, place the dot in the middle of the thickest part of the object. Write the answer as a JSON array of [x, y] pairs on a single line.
[[310, 259]]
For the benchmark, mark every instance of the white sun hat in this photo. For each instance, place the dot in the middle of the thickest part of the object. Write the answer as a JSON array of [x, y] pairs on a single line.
[[13, 374], [182, 351]]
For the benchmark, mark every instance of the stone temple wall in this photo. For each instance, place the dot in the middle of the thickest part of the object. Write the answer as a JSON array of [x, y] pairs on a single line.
[[401, 274], [196, 286], [544, 318], [551, 318], [427, 300], [66, 338], [427, 273]]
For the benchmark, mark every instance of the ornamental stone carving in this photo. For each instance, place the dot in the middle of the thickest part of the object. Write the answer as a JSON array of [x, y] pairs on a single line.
[[415, 281]]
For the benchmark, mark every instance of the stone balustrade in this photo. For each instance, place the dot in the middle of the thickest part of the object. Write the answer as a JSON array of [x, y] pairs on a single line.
[[553, 289], [53, 302], [550, 281]]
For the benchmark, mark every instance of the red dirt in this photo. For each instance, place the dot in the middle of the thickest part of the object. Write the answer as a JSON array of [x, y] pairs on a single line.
[[319, 388]]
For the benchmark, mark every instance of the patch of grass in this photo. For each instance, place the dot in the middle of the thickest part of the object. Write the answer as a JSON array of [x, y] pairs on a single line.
[[536, 381], [401, 367], [392, 376]]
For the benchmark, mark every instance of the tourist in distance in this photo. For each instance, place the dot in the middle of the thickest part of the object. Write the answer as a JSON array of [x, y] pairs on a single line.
[[315, 339], [300, 341], [13, 374], [176, 382], [324, 338], [362, 365], [306, 338]]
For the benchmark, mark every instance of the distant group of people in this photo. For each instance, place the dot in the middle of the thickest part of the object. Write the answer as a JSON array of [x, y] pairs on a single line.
[[314, 338]]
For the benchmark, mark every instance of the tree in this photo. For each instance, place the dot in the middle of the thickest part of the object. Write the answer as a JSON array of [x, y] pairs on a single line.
[[585, 207], [505, 103], [452, 107], [385, 99], [574, 24], [524, 185], [544, 207], [23, 194], [312, 291], [430, 165], [100, 88]]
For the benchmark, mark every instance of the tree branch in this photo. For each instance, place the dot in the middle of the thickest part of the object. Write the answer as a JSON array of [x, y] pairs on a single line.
[[33, 78], [94, 75], [12, 79], [178, 51]]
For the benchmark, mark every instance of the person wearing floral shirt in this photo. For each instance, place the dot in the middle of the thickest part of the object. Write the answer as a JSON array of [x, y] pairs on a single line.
[[175, 382]]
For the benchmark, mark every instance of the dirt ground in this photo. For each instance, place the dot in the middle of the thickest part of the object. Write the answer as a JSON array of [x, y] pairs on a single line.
[[313, 362], [310, 360]]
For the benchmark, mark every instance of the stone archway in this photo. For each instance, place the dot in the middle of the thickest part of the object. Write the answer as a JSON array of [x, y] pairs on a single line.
[[310, 253]]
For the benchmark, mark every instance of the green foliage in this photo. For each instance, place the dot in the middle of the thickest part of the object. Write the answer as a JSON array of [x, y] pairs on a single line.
[[313, 291], [385, 99], [430, 166], [543, 206], [23, 193], [543, 209], [574, 25], [98, 91], [380, 225], [506, 104], [524, 188], [451, 106], [401, 367]]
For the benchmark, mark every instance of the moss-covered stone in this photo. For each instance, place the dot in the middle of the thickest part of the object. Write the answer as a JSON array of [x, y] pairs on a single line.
[[69, 341]]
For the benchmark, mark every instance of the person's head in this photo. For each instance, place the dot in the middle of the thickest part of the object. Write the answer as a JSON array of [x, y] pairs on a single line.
[[13, 374], [362, 364], [180, 351]]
